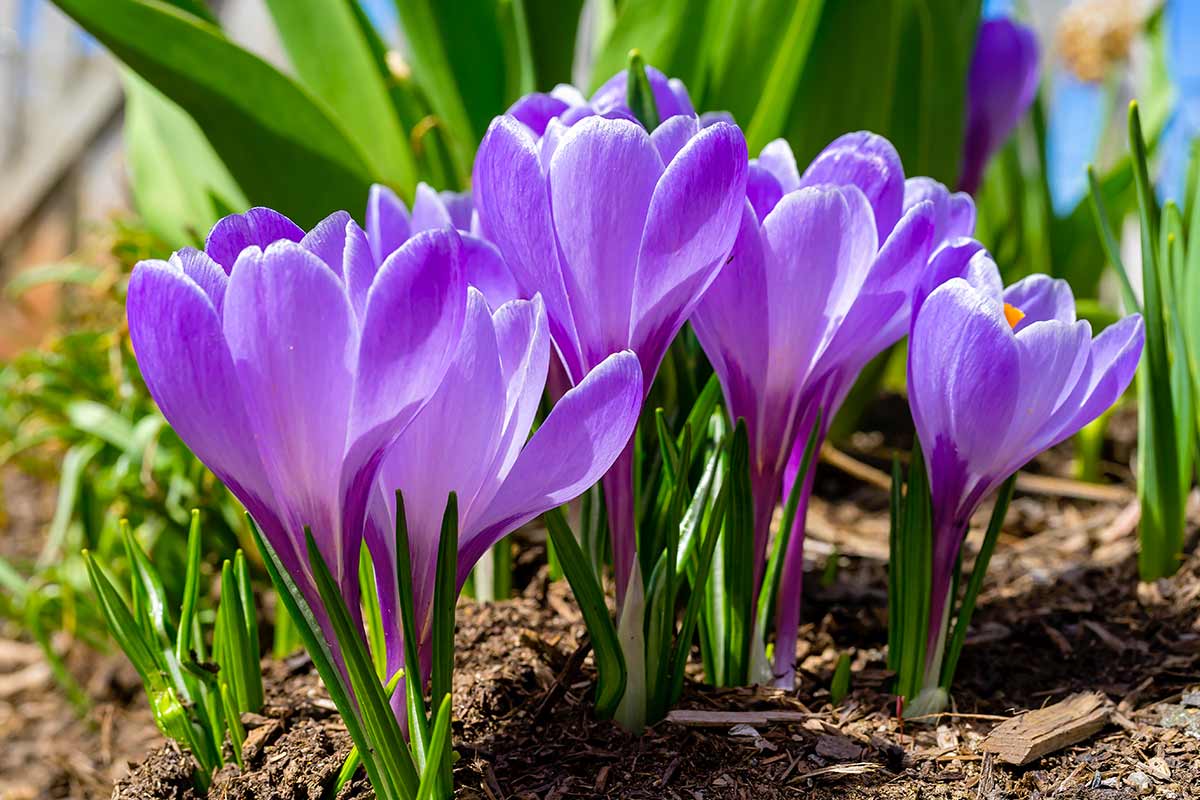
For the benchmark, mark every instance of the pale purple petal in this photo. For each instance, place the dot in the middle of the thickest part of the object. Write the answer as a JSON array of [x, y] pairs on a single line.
[[954, 212], [205, 273], [514, 206], [692, 224], [536, 110], [673, 134], [327, 241], [1053, 355], [485, 269], [296, 386], [578, 442], [524, 344], [258, 227], [428, 211], [1040, 297], [762, 190], [777, 159], [871, 163], [670, 95], [358, 267], [388, 224], [1115, 354]]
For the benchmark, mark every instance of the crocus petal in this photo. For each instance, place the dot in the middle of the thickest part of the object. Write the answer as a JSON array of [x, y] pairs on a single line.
[[871, 163], [670, 96], [762, 190], [602, 178], [673, 134], [1115, 354], [963, 376], [258, 227], [536, 110], [428, 211], [1053, 355], [514, 205], [777, 158], [1040, 297], [293, 339], [327, 241], [954, 260], [388, 224], [580, 439], [1000, 87], [358, 267], [411, 327], [485, 269], [205, 273], [524, 344], [731, 326], [953, 212], [692, 224]]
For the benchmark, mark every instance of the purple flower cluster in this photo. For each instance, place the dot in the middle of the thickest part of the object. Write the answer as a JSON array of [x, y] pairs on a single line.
[[317, 373]]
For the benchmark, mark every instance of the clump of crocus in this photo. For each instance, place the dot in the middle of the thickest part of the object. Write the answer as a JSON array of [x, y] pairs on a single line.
[[995, 376], [1001, 86], [621, 231], [819, 282], [290, 362], [473, 439]]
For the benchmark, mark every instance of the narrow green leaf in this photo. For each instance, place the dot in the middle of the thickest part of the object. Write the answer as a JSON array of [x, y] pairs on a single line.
[[439, 742], [414, 684], [129, 635], [445, 597], [784, 76], [639, 94], [353, 758], [233, 719], [383, 732], [606, 648], [739, 570], [313, 636], [191, 591], [253, 673], [146, 588]]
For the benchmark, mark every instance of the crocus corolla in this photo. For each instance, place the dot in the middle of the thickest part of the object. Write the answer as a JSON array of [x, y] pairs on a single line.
[[290, 362], [621, 231], [996, 376], [1001, 85], [819, 282], [473, 439]]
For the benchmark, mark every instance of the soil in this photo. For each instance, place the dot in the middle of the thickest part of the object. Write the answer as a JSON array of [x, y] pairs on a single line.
[[1061, 611]]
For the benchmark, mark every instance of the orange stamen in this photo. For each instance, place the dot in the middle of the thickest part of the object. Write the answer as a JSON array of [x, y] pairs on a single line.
[[1013, 314]]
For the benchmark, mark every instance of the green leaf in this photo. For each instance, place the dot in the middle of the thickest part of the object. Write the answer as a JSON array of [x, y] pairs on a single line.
[[414, 686], [245, 591], [606, 649], [70, 477], [313, 636], [191, 592], [350, 82], [458, 58], [738, 540], [383, 732], [445, 596], [179, 183], [784, 76], [639, 95], [146, 588], [840, 686], [438, 742], [553, 25], [282, 147], [233, 719]]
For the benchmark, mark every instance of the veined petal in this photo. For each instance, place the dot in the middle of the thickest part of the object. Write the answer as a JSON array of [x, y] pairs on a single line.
[[388, 224], [762, 190], [670, 95], [871, 163], [524, 344], [580, 439], [451, 444], [1115, 354], [293, 339], [327, 241], [1053, 355], [428, 211], [691, 226], [673, 135], [602, 178], [731, 324], [953, 212], [205, 273], [258, 227], [777, 158], [358, 267], [536, 110], [485, 269], [963, 379], [1040, 297], [513, 200]]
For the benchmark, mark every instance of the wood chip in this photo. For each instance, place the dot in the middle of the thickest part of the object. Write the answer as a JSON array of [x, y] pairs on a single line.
[[697, 718], [1029, 736]]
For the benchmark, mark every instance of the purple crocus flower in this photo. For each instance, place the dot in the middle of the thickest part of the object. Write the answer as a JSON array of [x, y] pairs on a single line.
[[996, 376], [621, 231], [290, 362], [1002, 83], [566, 105], [390, 225], [472, 439], [819, 282]]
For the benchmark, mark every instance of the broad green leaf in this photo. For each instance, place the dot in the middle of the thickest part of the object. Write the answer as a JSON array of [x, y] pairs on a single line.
[[180, 185], [333, 58], [784, 75], [284, 149], [553, 25]]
